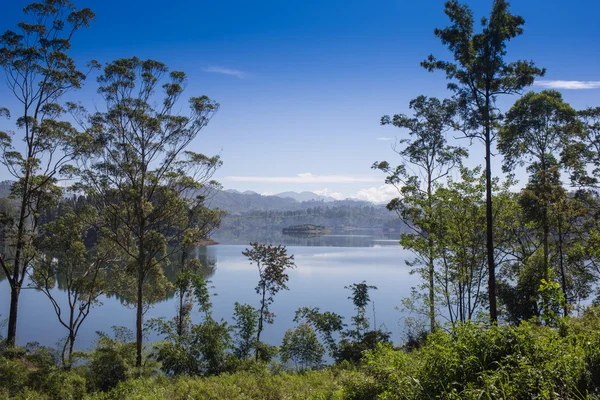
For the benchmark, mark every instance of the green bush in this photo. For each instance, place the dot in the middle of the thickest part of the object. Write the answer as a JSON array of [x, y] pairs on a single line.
[[478, 362], [474, 361], [317, 385], [13, 376], [59, 385]]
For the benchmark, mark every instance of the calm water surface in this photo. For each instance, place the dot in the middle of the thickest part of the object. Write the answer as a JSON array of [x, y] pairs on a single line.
[[324, 266]]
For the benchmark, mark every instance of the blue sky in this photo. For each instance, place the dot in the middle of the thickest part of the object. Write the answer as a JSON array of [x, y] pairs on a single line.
[[302, 84]]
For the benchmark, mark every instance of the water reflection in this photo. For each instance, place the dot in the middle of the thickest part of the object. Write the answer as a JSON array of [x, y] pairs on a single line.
[[318, 281]]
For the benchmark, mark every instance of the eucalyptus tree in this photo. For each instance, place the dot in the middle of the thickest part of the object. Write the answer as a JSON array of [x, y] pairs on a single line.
[[426, 159], [272, 262], [137, 171], [80, 273], [535, 130], [38, 71], [478, 75]]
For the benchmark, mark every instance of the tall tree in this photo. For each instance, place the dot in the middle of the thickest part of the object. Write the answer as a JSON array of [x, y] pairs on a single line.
[[478, 75], [138, 172], [535, 130], [38, 72], [426, 160], [272, 263]]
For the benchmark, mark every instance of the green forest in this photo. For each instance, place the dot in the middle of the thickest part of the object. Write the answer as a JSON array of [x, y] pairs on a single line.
[[106, 200]]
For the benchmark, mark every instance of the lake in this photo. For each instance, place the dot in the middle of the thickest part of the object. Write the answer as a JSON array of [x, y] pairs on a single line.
[[325, 264]]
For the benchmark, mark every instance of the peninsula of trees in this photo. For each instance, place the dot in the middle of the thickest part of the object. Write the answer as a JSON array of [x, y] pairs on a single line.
[[306, 229]]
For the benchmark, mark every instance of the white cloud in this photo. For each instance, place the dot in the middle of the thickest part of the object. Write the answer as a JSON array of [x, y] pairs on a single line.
[[385, 138], [568, 84], [326, 192], [227, 71], [381, 194], [302, 178]]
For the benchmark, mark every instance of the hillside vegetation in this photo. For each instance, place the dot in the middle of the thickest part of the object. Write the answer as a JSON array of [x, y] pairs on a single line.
[[474, 361]]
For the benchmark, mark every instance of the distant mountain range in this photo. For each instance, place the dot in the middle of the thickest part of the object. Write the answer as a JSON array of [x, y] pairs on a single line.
[[299, 197], [235, 201], [250, 212]]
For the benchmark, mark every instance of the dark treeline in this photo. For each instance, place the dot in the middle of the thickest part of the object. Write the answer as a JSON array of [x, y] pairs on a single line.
[[504, 274], [336, 217]]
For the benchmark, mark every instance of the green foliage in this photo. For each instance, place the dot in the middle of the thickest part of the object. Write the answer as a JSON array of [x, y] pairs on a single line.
[[327, 324], [82, 271], [149, 188], [474, 362], [188, 348], [272, 263], [552, 300], [314, 385], [302, 347], [360, 298], [354, 350], [478, 75], [38, 72], [426, 160], [245, 329], [112, 360], [14, 375], [582, 154]]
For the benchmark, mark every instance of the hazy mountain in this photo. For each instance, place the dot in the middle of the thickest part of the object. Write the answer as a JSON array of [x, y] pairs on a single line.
[[305, 196], [234, 201]]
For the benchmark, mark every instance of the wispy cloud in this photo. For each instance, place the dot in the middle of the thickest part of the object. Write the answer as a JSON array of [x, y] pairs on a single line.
[[326, 192], [385, 138], [227, 71], [568, 84], [302, 178]]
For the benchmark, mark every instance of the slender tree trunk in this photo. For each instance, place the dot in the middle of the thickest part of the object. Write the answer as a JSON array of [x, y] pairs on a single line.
[[546, 272], [180, 318], [563, 275], [490, 219], [181, 297], [12, 316], [431, 256], [16, 276], [260, 321], [139, 321], [431, 296], [68, 350]]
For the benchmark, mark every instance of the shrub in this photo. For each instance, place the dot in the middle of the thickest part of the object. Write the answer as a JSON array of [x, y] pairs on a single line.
[[302, 347]]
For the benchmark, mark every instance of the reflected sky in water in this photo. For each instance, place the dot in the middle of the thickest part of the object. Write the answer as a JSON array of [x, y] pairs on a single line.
[[318, 281]]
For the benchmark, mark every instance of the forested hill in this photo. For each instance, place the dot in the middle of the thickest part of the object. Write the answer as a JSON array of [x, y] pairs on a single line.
[[248, 211], [233, 201]]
